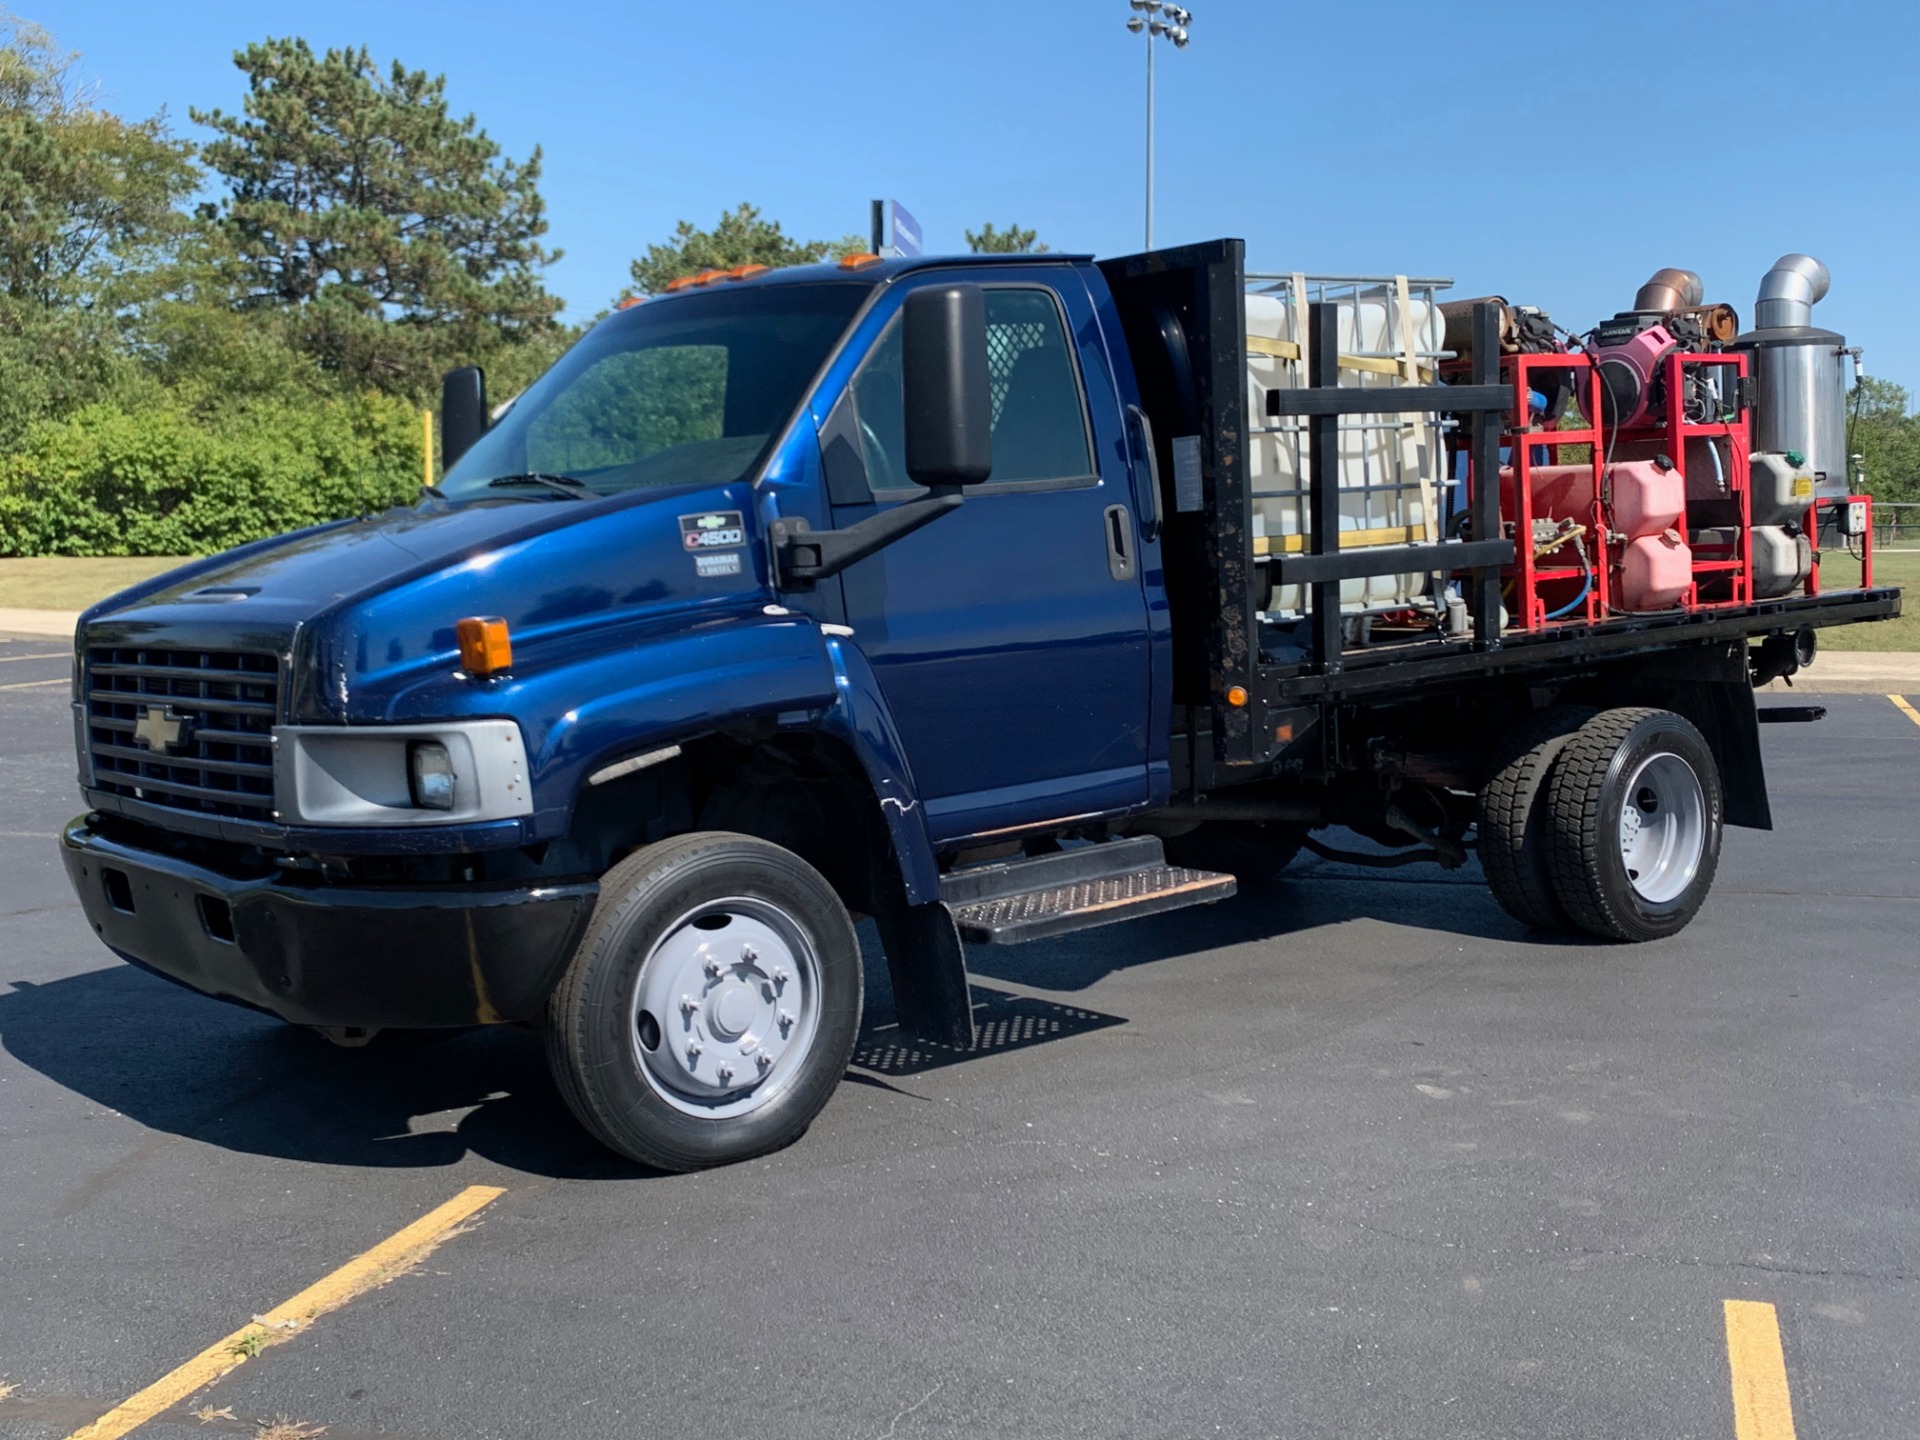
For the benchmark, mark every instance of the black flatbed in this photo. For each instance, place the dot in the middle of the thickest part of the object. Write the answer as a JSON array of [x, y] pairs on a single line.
[[1385, 669]]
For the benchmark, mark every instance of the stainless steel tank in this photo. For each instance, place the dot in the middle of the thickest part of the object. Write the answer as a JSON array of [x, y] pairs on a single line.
[[1800, 372]]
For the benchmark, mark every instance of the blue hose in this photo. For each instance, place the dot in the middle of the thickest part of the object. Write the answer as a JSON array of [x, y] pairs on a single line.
[[1578, 600]]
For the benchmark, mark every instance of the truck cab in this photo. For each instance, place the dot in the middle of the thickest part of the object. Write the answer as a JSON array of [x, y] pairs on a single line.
[[307, 796]]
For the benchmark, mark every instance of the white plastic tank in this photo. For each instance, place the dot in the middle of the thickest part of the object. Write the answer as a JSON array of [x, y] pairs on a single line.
[[1392, 467], [1782, 490]]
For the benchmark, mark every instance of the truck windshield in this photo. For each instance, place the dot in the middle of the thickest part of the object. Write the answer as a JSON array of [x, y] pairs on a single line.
[[688, 391]]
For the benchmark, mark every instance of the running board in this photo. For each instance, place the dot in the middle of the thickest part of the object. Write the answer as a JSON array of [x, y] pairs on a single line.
[[1077, 889]]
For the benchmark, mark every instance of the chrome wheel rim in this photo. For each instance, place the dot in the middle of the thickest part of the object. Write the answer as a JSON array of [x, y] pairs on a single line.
[[1663, 828], [727, 1008]]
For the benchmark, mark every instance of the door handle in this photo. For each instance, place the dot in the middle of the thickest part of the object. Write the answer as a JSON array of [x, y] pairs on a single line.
[[1155, 518], [1120, 546]]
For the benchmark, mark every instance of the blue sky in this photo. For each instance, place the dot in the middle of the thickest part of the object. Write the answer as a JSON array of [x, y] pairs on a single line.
[[1556, 154]]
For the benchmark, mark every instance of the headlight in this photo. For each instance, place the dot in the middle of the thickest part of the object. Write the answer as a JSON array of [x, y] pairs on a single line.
[[454, 772], [430, 775]]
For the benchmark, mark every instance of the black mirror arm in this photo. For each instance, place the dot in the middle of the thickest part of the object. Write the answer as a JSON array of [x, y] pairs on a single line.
[[1155, 520], [804, 555]]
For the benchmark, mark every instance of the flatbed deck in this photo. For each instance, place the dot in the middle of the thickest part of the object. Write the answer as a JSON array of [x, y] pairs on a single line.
[[1383, 669]]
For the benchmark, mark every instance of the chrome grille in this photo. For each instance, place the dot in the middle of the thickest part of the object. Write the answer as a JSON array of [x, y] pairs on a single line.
[[225, 702]]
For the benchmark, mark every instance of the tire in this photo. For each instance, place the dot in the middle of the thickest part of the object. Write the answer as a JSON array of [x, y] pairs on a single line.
[[1513, 815], [712, 1005], [1635, 813], [1252, 851]]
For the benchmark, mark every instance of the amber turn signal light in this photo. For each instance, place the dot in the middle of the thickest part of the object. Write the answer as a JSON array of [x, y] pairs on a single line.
[[485, 648], [1236, 695]]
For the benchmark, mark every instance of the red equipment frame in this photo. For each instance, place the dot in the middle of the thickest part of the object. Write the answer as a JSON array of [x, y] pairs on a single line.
[[1727, 569]]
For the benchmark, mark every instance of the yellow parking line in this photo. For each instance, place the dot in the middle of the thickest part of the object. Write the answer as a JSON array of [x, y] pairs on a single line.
[[359, 1274], [1762, 1408], [1901, 701], [35, 684]]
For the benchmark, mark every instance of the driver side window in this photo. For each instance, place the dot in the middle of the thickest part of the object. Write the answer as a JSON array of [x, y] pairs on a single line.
[[881, 413], [1039, 418]]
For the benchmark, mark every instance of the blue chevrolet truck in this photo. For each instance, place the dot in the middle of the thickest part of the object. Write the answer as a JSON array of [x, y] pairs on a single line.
[[920, 590]]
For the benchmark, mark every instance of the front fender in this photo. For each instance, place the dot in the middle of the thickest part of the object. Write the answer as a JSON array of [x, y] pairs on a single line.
[[861, 720], [662, 689], [607, 706]]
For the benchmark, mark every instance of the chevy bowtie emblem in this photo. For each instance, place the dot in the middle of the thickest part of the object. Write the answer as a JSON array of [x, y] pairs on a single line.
[[162, 731]]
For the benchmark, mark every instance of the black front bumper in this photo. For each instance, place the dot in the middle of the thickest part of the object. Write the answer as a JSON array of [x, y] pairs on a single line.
[[321, 954]]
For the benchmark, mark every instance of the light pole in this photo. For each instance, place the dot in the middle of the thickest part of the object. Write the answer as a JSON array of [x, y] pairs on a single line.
[[1156, 18]]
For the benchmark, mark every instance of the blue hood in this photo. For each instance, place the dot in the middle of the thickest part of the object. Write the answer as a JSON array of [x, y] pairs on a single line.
[[372, 603]]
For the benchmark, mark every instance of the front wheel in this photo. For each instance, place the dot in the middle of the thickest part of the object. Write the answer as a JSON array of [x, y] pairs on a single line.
[[712, 1006], [1636, 812]]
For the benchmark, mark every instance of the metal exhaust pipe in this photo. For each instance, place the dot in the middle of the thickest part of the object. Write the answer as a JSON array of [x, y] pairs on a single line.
[[1789, 291], [1669, 290]]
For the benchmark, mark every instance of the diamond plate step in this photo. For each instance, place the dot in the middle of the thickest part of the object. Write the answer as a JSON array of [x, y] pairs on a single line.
[[1083, 904]]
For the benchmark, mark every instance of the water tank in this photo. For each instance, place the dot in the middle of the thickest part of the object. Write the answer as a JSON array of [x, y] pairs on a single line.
[[1800, 372]]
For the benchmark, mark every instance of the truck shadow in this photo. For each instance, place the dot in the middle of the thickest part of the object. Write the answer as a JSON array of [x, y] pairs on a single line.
[[186, 1066], [183, 1065]]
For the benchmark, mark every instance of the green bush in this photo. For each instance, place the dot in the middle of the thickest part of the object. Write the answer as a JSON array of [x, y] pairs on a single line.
[[108, 480]]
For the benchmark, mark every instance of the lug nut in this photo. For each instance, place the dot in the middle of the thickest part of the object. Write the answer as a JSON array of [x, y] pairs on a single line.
[[786, 1020], [763, 1060], [712, 968], [749, 954], [693, 1051], [688, 1005], [780, 975], [726, 1074]]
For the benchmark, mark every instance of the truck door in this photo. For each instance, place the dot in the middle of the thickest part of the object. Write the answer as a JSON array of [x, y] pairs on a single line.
[[1011, 637]]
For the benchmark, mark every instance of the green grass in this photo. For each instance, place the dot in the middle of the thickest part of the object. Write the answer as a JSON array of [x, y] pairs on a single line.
[[60, 582], [1900, 568]]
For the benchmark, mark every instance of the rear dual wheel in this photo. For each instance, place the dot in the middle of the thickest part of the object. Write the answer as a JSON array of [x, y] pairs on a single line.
[[1607, 822], [1635, 814], [1513, 815]]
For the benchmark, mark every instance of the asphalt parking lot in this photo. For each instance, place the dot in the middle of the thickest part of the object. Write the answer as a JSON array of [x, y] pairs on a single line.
[[1351, 1156]]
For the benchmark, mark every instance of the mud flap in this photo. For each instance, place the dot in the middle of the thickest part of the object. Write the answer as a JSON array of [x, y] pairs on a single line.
[[928, 965]]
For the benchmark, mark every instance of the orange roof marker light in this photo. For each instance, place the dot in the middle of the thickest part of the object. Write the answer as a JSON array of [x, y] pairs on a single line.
[[714, 277], [858, 262], [485, 647], [630, 302]]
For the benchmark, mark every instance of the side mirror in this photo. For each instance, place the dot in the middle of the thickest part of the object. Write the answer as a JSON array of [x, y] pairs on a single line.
[[463, 411], [943, 378]]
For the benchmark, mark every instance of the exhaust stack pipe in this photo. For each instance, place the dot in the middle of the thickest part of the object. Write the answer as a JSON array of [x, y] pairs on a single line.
[[1789, 291], [1669, 290]]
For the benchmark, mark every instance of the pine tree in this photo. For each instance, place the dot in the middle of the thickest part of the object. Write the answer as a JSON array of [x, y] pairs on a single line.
[[740, 238], [1010, 241], [393, 237]]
